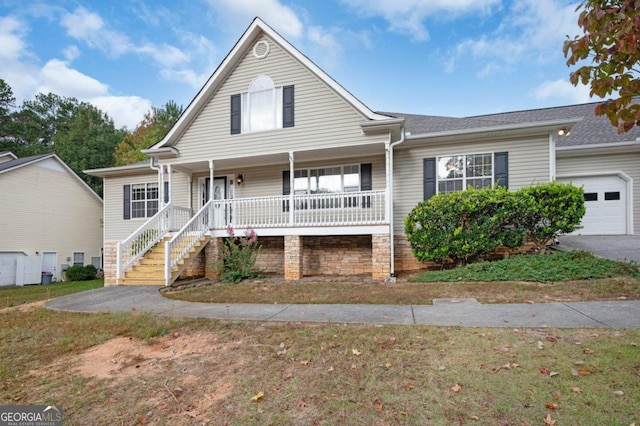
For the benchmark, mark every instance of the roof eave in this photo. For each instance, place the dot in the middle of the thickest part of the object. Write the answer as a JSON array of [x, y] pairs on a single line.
[[600, 148], [376, 126], [120, 170], [163, 152]]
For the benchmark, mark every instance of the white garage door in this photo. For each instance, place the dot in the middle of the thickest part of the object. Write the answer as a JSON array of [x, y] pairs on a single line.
[[606, 204]]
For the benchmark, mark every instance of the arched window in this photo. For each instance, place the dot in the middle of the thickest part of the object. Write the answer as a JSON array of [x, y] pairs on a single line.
[[262, 105]]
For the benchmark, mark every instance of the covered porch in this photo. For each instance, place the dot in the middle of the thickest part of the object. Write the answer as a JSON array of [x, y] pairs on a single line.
[[358, 207]]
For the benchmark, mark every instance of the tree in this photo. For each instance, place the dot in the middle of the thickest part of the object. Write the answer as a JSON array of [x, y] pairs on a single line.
[[612, 40], [87, 142], [153, 127]]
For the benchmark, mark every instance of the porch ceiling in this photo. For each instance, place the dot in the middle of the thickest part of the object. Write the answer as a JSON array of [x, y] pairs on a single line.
[[324, 154]]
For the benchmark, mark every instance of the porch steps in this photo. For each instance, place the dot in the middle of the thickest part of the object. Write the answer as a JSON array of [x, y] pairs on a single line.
[[150, 269]]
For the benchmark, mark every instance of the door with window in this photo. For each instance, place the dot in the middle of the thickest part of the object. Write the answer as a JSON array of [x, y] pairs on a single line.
[[221, 214]]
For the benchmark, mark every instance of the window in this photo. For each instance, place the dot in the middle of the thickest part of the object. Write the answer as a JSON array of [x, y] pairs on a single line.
[[262, 107], [329, 180], [141, 200], [459, 172], [78, 258]]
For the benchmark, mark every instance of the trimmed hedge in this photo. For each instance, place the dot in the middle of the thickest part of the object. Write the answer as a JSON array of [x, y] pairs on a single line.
[[81, 273], [463, 225]]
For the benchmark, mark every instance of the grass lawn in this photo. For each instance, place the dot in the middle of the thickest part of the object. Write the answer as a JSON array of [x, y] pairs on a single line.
[[139, 369], [14, 296], [561, 276]]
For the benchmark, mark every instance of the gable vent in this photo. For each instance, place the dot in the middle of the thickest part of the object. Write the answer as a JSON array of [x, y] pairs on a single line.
[[261, 49]]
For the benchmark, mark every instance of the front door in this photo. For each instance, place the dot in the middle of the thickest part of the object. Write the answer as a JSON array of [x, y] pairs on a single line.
[[219, 193]]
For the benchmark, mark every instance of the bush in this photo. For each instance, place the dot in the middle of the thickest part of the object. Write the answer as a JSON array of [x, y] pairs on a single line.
[[463, 225], [238, 257], [549, 210], [81, 273]]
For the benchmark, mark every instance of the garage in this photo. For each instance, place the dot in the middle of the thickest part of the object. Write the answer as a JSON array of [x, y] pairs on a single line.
[[606, 204]]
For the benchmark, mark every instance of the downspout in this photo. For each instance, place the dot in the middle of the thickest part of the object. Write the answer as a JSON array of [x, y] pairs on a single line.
[[552, 157], [158, 168], [389, 149]]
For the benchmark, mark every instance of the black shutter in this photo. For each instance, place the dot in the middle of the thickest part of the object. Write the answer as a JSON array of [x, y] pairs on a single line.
[[127, 202], [501, 169], [428, 177], [366, 183], [286, 189], [236, 114], [166, 192], [287, 106]]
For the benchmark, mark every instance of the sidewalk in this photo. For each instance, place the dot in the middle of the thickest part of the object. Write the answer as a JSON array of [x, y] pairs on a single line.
[[465, 313]]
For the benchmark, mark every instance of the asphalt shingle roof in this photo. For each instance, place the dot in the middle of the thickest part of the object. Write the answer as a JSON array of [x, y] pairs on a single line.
[[7, 165], [591, 130]]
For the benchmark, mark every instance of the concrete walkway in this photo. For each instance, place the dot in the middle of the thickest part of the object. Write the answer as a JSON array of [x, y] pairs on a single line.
[[466, 313]]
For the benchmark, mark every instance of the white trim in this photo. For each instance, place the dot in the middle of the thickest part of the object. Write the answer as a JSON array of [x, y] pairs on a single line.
[[552, 157], [321, 231], [464, 177], [629, 189]]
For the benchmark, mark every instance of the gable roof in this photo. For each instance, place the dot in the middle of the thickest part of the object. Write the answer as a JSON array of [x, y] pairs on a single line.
[[26, 161], [218, 77]]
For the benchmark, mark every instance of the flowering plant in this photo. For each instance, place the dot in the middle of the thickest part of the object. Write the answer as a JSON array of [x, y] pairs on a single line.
[[238, 255]]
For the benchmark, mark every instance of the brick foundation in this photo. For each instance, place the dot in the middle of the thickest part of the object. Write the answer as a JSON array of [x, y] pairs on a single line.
[[110, 260], [293, 262], [212, 258], [271, 257], [195, 268], [337, 255], [380, 256]]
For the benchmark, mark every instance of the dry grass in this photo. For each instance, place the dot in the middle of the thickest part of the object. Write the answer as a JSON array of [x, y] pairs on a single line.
[[403, 292], [136, 369]]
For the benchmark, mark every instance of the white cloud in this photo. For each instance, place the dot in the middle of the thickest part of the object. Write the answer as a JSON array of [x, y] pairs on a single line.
[[71, 53], [533, 30], [282, 18], [562, 90], [326, 41], [124, 110], [408, 16], [18, 66]]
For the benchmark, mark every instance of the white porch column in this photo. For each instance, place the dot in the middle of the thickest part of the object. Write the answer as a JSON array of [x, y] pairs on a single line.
[[291, 191], [160, 186], [211, 193], [170, 189]]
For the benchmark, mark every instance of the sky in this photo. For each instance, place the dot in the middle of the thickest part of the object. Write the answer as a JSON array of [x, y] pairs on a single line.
[[437, 57]]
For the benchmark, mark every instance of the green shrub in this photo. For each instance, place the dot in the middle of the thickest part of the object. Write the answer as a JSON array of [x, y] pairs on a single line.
[[463, 225], [238, 257], [548, 210], [81, 273]]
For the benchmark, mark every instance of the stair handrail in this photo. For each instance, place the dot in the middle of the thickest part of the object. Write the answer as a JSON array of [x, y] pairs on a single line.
[[185, 239], [131, 249]]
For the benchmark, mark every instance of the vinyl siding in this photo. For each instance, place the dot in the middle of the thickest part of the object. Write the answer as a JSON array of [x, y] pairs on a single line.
[[44, 208], [117, 228], [528, 164], [602, 163], [322, 117]]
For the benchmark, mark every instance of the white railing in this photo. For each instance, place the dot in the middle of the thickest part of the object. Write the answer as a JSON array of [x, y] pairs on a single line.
[[348, 208], [146, 236], [177, 248]]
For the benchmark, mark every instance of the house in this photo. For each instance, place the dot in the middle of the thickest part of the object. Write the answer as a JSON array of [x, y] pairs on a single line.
[[50, 219], [273, 143]]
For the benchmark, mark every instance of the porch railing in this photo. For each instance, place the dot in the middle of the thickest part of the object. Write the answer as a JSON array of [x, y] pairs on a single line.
[[130, 250], [177, 248], [348, 208]]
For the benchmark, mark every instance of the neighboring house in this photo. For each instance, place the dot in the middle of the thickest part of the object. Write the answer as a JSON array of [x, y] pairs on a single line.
[[271, 142], [49, 218]]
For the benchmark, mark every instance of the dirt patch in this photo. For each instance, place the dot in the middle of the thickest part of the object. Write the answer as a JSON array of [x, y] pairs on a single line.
[[25, 307]]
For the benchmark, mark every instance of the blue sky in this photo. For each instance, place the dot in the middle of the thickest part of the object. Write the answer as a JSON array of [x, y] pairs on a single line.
[[438, 57]]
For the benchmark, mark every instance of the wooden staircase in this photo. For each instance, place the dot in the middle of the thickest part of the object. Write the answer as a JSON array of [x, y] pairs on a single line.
[[150, 269]]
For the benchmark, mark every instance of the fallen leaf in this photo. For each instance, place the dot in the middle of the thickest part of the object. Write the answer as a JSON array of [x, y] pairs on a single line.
[[588, 351], [576, 389], [379, 408], [552, 338], [257, 397], [305, 362], [456, 387], [552, 406], [540, 345], [579, 362], [301, 404], [584, 372], [549, 421], [356, 352], [353, 366], [553, 373], [330, 369], [408, 386], [442, 368], [387, 365], [474, 417], [618, 393], [574, 372]]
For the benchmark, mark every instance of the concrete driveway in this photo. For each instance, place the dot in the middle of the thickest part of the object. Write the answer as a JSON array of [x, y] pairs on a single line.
[[625, 248]]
